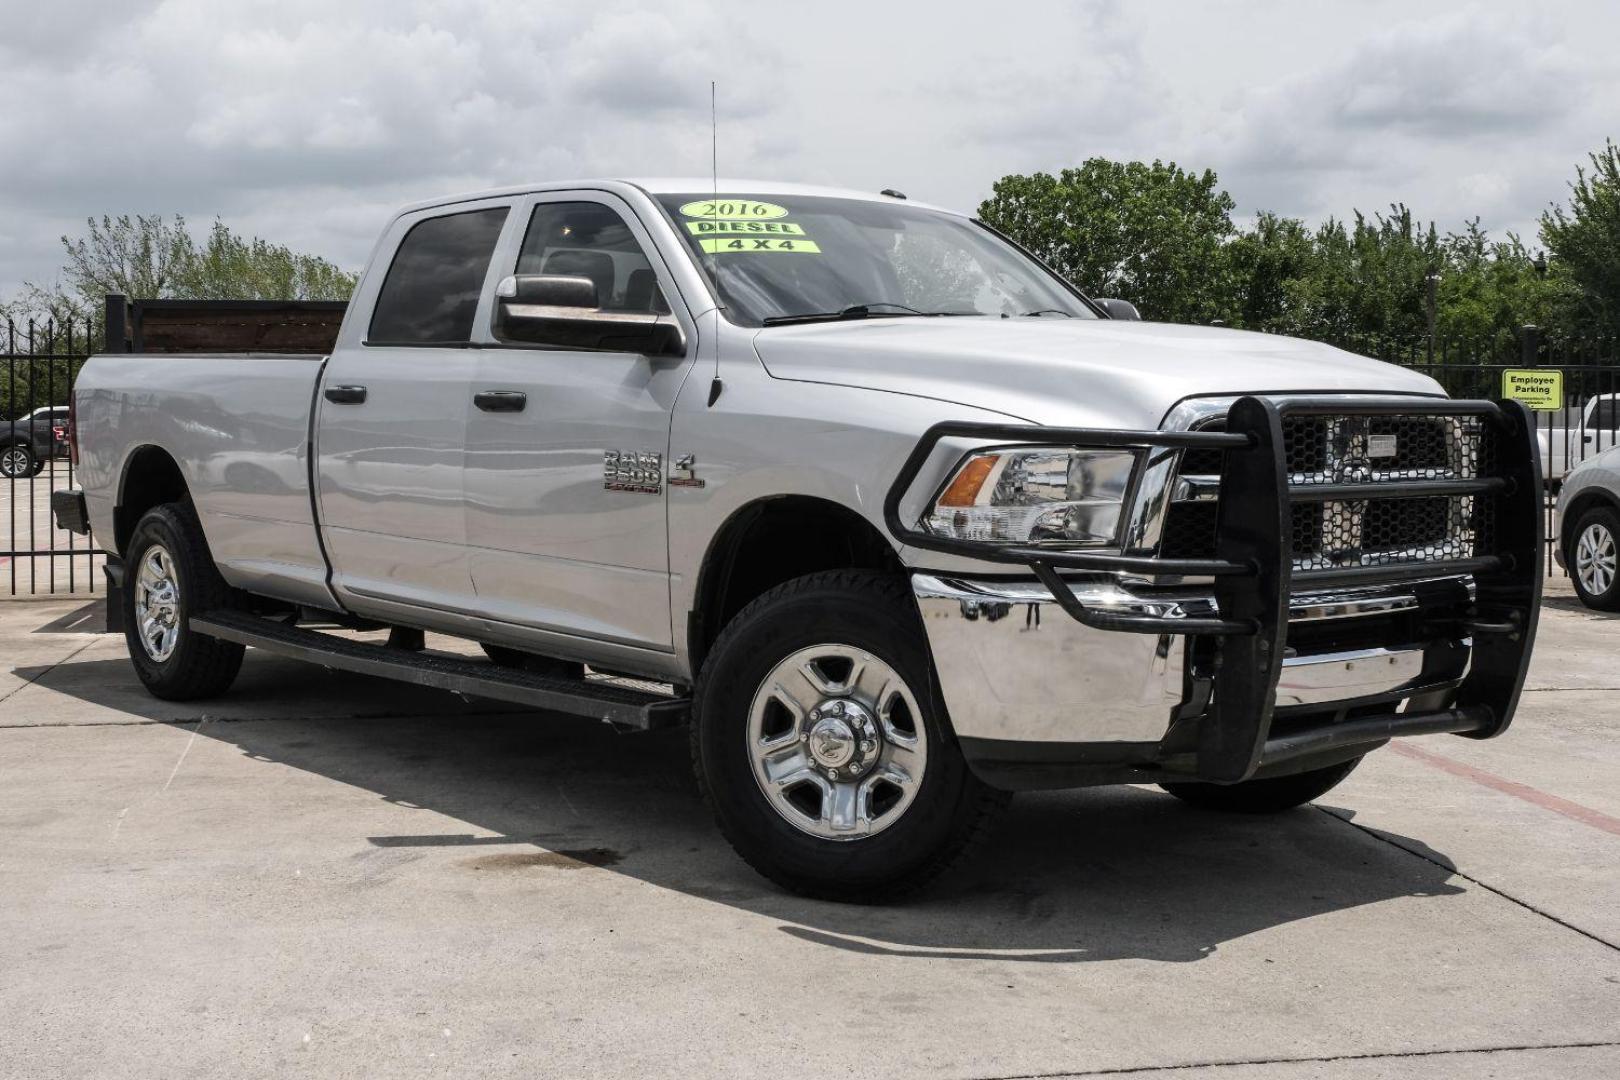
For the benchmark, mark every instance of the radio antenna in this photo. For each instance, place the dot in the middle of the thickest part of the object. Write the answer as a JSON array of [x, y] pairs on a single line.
[[715, 385]]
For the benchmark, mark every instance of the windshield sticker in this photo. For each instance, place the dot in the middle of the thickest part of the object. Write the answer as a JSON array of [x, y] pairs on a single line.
[[741, 209], [727, 228], [715, 245]]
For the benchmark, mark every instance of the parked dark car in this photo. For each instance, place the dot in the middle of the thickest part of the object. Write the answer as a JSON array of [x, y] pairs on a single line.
[[28, 442]]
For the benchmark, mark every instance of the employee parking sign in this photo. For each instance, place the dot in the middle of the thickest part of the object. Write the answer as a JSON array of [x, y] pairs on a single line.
[[1537, 388]]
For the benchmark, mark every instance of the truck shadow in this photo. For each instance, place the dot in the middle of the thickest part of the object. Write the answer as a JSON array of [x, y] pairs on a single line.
[[1572, 603], [1066, 877]]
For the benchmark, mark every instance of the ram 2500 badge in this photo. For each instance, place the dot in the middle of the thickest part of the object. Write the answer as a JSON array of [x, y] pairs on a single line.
[[897, 517]]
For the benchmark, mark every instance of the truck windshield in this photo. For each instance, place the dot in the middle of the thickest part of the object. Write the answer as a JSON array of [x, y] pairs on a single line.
[[776, 257]]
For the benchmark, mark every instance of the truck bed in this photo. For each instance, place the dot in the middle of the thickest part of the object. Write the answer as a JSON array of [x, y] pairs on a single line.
[[237, 426]]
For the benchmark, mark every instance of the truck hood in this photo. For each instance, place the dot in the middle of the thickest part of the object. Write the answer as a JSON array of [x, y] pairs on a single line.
[[1070, 372]]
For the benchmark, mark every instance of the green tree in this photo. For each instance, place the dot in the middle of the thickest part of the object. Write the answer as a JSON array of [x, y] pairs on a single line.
[[1267, 264], [1151, 234], [155, 258], [1368, 283], [1163, 238], [1489, 289], [147, 257], [1585, 243], [227, 266]]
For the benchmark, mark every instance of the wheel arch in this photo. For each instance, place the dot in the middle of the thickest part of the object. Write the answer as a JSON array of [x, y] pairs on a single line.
[[1586, 500], [775, 539], [151, 477]]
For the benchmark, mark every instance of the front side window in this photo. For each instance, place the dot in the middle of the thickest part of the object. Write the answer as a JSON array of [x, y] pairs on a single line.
[[591, 241], [431, 293], [782, 257]]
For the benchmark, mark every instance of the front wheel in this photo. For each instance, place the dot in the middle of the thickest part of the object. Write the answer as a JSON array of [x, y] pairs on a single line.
[[1270, 795], [170, 576], [819, 743]]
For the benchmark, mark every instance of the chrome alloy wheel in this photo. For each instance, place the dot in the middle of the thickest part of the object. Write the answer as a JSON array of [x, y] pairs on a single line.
[[1595, 559], [15, 461], [157, 603], [837, 742]]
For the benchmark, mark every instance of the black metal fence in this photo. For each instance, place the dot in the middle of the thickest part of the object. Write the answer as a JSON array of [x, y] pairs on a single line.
[[1587, 422], [38, 365], [42, 358]]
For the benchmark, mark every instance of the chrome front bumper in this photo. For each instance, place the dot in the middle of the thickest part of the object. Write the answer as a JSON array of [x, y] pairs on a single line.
[[1014, 667], [1233, 681]]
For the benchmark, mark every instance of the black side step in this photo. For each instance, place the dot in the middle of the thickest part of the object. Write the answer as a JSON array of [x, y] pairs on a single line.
[[605, 700]]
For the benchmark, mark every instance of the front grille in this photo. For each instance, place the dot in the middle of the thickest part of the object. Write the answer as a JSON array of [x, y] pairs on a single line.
[[1369, 450], [1340, 449]]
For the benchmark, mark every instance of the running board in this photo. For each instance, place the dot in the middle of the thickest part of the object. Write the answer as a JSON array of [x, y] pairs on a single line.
[[600, 699]]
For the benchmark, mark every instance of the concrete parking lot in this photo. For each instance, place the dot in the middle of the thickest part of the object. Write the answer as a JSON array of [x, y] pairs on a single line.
[[327, 875]]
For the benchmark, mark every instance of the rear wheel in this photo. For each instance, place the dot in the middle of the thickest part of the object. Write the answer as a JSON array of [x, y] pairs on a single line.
[[1267, 796], [17, 461], [820, 746], [169, 577], [1594, 559]]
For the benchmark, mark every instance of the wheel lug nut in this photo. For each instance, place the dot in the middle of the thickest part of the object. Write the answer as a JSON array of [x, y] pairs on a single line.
[[867, 746]]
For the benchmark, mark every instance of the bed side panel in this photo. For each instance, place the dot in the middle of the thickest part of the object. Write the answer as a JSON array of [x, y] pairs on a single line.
[[238, 426]]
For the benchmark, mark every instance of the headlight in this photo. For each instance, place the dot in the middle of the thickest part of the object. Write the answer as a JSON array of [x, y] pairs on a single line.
[[1048, 495]]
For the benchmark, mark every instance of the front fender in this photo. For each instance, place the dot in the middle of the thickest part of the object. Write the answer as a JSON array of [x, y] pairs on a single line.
[[767, 438]]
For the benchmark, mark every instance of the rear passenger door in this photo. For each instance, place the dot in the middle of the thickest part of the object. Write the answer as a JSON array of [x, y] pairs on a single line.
[[392, 422], [556, 543]]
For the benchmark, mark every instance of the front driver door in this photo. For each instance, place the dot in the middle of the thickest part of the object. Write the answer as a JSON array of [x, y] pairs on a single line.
[[553, 544]]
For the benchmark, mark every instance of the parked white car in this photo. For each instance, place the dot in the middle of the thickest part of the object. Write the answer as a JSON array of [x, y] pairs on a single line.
[[1589, 529]]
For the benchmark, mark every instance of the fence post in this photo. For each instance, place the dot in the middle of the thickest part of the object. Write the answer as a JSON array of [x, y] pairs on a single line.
[[1530, 345], [116, 323]]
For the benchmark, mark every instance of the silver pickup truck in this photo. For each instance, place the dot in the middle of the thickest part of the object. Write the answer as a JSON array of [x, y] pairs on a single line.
[[898, 518]]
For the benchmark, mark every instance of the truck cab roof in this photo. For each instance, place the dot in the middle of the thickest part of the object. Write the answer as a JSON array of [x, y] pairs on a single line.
[[667, 185]]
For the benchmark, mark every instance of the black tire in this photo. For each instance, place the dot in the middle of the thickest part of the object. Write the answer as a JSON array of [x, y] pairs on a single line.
[[951, 808], [18, 461], [1606, 522], [198, 666], [540, 665], [1269, 796]]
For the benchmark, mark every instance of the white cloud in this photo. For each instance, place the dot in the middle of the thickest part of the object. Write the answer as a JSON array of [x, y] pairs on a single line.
[[1458, 114], [306, 121]]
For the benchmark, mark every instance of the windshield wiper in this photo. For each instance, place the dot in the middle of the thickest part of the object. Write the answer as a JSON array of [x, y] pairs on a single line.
[[1038, 312], [856, 311]]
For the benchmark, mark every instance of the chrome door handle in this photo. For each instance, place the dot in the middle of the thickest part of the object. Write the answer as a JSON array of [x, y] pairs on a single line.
[[501, 400], [345, 395]]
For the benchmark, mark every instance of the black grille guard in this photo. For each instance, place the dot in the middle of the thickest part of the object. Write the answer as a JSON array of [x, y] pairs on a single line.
[[1253, 568]]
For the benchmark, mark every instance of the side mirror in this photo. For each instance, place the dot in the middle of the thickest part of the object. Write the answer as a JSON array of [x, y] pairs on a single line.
[[564, 311], [1120, 309]]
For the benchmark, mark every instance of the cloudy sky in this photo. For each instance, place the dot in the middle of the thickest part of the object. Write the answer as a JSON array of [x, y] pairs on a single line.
[[305, 121]]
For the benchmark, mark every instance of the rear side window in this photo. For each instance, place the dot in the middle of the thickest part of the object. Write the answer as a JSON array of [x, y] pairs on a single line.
[[431, 293]]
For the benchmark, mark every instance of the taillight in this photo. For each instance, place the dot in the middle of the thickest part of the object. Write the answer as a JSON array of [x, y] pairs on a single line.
[[72, 432]]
